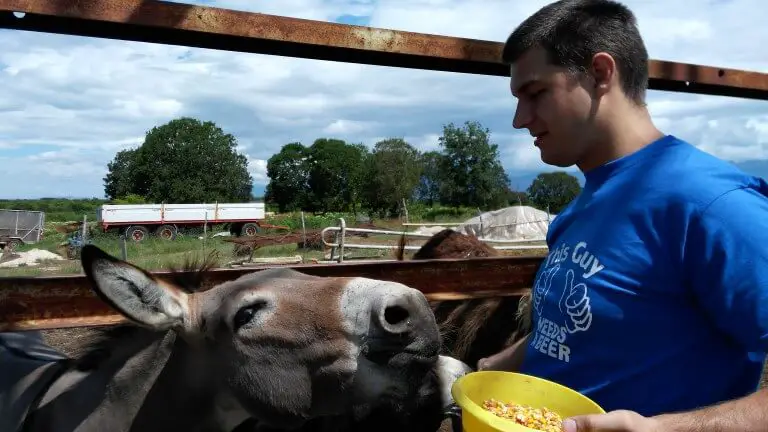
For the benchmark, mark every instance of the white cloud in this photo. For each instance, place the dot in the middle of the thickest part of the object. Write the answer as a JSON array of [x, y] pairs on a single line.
[[346, 128], [69, 103], [258, 169]]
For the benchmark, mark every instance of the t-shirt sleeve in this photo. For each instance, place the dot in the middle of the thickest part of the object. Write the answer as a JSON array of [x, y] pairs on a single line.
[[726, 262]]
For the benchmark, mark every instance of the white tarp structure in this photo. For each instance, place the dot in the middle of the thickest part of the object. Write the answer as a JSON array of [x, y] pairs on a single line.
[[510, 223]]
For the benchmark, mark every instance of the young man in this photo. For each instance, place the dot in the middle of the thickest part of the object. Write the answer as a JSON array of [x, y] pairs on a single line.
[[653, 300]]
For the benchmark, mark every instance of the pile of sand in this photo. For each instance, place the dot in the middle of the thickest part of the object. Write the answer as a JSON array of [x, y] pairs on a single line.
[[31, 258]]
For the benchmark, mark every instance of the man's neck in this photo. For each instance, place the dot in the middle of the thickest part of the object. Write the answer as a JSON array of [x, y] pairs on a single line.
[[628, 131]]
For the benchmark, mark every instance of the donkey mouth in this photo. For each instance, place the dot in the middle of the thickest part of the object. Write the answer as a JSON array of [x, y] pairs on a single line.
[[383, 352]]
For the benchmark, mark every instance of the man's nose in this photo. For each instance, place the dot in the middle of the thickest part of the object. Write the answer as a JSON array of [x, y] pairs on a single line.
[[522, 116]]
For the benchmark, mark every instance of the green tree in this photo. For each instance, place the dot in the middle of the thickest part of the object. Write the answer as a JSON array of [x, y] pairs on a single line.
[[471, 172], [518, 197], [119, 181], [130, 199], [288, 174], [335, 172], [393, 173], [183, 161], [357, 176], [553, 190], [428, 190]]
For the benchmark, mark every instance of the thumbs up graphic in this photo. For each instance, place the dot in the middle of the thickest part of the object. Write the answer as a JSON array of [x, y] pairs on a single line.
[[542, 287], [574, 303]]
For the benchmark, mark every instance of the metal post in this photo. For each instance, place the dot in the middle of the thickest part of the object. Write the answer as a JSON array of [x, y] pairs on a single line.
[[342, 235], [482, 230], [205, 230], [85, 227], [123, 247], [303, 237]]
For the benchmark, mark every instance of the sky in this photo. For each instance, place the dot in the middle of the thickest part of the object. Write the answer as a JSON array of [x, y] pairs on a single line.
[[68, 104]]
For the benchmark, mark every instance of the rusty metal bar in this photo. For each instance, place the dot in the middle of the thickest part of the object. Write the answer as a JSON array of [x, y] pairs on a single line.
[[223, 29], [68, 301]]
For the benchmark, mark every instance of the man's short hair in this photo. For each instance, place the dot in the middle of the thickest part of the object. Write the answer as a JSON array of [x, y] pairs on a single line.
[[572, 31]]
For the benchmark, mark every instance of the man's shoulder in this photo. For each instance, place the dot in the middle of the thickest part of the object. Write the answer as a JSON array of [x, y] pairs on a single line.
[[690, 177]]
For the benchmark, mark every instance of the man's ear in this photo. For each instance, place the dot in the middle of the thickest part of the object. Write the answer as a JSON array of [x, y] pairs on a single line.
[[134, 292], [603, 70]]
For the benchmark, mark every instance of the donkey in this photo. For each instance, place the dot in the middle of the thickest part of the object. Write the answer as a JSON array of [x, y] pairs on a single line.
[[276, 346], [477, 328]]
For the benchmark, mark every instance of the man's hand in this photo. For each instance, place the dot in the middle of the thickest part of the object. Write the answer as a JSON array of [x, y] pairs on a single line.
[[614, 421]]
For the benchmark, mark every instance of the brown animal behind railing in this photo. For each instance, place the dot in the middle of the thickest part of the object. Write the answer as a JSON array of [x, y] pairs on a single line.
[[476, 328]]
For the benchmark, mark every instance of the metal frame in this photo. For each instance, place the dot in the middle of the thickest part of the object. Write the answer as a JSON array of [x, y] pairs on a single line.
[[341, 236], [29, 303]]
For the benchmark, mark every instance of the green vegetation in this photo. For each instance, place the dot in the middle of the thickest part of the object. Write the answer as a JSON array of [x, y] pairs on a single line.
[[57, 209], [183, 161], [553, 191], [332, 175], [192, 161]]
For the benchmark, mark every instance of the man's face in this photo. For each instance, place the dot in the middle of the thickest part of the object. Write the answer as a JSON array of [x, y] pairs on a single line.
[[555, 107]]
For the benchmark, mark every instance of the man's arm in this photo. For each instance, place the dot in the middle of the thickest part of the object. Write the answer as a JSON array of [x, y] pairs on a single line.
[[747, 414], [510, 359]]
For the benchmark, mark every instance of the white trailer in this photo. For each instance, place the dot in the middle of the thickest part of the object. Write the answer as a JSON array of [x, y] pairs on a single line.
[[137, 221]]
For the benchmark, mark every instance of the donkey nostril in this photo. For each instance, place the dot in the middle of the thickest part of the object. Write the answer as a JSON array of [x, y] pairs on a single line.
[[395, 314]]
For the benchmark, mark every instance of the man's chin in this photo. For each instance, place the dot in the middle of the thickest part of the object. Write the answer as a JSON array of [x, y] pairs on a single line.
[[554, 160]]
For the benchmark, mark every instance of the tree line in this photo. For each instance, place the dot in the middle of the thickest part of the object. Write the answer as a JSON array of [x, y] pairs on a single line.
[[188, 160]]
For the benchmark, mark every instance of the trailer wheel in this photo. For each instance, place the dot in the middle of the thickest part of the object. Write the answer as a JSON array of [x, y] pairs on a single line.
[[136, 233], [250, 230], [166, 232], [10, 245]]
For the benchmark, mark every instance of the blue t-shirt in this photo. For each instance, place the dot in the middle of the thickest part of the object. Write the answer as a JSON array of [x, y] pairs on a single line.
[[654, 295]]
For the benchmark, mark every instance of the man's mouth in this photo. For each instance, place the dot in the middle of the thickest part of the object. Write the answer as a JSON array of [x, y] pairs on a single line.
[[539, 138]]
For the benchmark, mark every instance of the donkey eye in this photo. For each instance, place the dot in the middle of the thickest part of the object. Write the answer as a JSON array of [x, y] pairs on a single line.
[[246, 313], [243, 316]]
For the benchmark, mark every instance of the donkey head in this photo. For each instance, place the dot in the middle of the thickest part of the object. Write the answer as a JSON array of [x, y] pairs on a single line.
[[286, 346]]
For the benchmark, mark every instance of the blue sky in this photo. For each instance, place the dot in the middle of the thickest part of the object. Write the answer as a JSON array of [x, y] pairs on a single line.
[[69, 104]]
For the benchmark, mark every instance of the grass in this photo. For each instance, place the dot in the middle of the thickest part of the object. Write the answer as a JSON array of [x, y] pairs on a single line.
[[157, 254]]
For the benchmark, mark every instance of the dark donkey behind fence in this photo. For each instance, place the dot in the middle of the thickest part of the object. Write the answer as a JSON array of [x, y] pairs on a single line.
[[477, 328], [277, 346]]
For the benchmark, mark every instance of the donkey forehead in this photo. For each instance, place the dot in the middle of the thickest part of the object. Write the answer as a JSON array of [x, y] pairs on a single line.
[[285, 279], [278, 285], [304, 297]]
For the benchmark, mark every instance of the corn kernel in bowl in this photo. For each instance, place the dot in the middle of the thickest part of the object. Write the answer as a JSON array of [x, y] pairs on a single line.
[[540, 419]]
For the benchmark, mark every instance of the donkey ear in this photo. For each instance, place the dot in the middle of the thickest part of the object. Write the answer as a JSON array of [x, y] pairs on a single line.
[[134, 292]]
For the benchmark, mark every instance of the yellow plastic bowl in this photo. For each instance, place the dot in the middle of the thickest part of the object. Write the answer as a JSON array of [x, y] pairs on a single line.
[[472, 389]]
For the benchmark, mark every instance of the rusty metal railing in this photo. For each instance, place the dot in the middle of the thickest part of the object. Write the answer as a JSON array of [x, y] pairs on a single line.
[[230, 30], [65, 301]]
